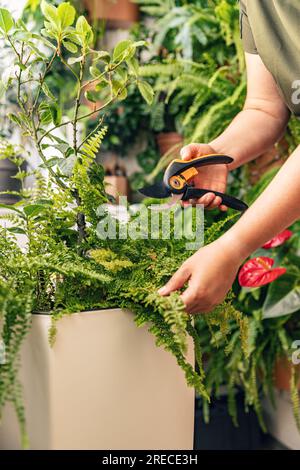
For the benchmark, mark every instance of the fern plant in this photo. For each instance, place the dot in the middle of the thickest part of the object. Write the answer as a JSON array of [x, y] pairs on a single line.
[[201, 67], [65, 267]]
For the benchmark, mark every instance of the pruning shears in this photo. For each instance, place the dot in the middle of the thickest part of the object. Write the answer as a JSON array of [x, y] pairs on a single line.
[[176, 183]]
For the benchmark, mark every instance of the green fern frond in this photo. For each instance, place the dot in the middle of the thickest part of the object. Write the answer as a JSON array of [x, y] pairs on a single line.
[[294, 381], [199, 100], [92, 146], [109, 260], [213, 232], [157, 70]]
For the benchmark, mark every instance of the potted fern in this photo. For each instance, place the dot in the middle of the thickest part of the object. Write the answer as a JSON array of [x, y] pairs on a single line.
[[89, 389]]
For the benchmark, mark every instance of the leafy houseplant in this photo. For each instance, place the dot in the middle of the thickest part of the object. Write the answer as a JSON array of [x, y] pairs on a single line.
[[273, 313], [202, 74], [209, 85], [65, 267]]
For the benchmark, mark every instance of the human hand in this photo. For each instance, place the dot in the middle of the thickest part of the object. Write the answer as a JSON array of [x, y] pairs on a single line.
[[210, 273], [212, 177]]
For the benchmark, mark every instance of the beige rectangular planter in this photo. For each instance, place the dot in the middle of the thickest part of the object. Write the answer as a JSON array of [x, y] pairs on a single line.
[[104, 385], [281, 422]]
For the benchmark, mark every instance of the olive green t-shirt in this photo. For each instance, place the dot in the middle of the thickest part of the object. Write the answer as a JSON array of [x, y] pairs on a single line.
[[271, 28]]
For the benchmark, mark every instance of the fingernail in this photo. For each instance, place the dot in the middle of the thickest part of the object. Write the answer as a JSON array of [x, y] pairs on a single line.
[[162, 290], [183, 152]]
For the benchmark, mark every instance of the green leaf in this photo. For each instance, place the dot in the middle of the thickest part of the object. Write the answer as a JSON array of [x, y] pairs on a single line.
[[17, 230], [33, 209], [50, 13], [45, 114], [14, 118], [50, 162], [123, 50], [101, 85], [133, 66], [70, 46], [146, 91], [119, 89], [55, 113], [123, 74], [50, 112], [283, 297], [103, 56], [94, 71], [57, 139], [74, 60], [44, 202], [66, 165], [85, 31], [90, 96], [47, 91], [73, 37], [66, 14], [6, 20]]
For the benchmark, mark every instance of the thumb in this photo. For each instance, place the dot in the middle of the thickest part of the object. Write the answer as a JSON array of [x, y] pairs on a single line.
[[176, 282], [188, 152]]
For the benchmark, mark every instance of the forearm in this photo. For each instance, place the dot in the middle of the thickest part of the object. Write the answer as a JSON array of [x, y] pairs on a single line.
[[262, 121], [251, 133], [273, 211]]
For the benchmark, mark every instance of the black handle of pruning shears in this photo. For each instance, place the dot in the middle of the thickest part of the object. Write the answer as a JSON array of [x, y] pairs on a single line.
[[227, 200]]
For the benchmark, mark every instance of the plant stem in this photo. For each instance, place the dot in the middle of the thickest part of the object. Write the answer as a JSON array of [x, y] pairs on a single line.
[[42, 79], [78, 119], [44, 159], [80, 220], [77, 104], [91, 133]]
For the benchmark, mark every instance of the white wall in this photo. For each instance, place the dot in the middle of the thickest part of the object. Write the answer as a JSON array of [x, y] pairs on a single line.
[[15, 6]]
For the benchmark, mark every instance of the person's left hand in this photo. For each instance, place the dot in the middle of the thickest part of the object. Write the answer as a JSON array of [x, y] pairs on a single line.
[[210, 273]]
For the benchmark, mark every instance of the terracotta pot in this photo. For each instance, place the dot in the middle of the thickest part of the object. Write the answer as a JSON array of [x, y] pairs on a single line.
[[118, 12], [167, 140], [117, 186], [282, 374]]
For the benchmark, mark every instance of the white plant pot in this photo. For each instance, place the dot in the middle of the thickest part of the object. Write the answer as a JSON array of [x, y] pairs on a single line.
[[103, 385], [281, 422]]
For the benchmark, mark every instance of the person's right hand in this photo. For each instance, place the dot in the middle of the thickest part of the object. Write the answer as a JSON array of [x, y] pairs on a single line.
[[212, 177]]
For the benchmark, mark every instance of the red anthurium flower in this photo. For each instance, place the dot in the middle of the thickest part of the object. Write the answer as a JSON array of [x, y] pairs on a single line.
[[278, 240], [258, 271]]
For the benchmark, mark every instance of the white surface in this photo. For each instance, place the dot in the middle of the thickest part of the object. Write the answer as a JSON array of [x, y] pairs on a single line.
[[104, 385], [281, 422]]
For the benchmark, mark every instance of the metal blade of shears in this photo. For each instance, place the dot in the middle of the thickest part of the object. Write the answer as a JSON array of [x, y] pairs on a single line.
[[157, 190]]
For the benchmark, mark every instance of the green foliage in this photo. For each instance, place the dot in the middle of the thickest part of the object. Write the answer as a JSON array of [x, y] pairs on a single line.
[[91, 147], [273, 325], [6, 21], [199, 75]]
